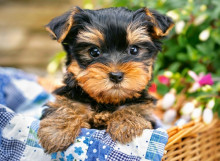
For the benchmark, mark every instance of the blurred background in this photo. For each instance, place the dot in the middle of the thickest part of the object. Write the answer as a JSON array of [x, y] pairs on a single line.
[[194, 42], [24, 42], [189, 62]]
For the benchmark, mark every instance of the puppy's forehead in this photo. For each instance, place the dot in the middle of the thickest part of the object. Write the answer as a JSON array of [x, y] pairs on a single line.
[[113, 27], [112, 17]]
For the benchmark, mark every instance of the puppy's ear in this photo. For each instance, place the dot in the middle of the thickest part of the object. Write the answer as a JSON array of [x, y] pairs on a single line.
[[161, 24], [60, 26]]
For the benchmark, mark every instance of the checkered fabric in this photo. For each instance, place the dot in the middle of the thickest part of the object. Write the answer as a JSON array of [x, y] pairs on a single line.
[[117, 155], [19, 141], [11, 149], [5, 116], [15, 91], [9, 94]]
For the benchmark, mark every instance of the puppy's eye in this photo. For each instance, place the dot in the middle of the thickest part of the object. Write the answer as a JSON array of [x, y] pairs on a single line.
[[134, 50], [94, 52]]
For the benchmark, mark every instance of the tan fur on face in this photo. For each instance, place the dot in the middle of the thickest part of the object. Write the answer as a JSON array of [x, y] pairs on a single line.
[[137, 34], [74, 68], [95, 81], [84, 54], [90, 35]]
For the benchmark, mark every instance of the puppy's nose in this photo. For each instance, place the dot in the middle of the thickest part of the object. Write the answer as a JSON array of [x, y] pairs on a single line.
[[116, 77]]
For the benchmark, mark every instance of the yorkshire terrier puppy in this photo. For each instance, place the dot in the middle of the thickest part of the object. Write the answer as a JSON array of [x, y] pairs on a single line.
[[110, 57]]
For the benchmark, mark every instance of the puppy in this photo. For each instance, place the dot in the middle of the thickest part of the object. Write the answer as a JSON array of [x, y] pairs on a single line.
[[110, 57]]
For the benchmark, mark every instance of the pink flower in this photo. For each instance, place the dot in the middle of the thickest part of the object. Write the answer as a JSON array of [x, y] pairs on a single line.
[[164, 80], [153, 88], [207, 79], [200, 80]]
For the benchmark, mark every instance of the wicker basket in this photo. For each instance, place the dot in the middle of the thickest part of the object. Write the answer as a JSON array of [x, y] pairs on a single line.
[[195, 141]]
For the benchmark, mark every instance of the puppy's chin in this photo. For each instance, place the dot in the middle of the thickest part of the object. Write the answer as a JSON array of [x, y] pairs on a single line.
[[116, 87], [95, 81], [115, 95]]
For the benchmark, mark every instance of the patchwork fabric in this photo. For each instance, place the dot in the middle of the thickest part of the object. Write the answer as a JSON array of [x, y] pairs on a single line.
[[117, 155], [97, 150], [15, 92], [5, 116], [108, 140], [9, 95], [156, 145], [32, 137], [18, 141], [11, 149]]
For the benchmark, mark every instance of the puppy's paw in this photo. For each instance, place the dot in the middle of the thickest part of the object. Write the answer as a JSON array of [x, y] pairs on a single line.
[[57, 132], [124, 127], [100, 120]]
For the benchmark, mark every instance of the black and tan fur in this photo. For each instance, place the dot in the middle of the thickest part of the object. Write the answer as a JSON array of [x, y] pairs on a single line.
[[110, 57]]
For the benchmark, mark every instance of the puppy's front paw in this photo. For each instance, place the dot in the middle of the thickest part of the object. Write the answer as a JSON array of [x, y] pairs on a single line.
[[55, 135], [123, 126], [57, 132]]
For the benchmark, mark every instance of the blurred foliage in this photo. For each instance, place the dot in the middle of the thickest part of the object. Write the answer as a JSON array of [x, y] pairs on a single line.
[[56, 62]]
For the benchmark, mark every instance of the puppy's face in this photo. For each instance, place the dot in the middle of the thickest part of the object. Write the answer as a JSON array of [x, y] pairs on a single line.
[[111, 51]]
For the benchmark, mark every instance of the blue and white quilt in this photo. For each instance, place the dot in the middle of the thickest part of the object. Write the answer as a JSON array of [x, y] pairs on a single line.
[[18, 141], [18, 132], [20, 92]]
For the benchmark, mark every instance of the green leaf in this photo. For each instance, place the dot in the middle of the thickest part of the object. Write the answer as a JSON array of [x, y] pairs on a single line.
[[174, 67], [192, 53], [198, 68], [182, 41], [217, 107], [203, 48], [162, 89], [215, 34], [183, 57]]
